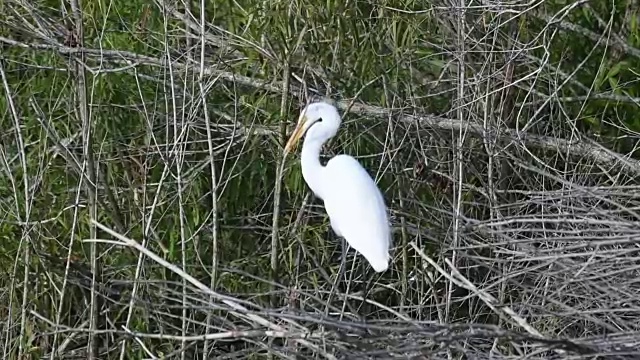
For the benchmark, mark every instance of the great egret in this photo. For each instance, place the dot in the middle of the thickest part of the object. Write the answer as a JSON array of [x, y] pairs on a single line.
[[356, 209]]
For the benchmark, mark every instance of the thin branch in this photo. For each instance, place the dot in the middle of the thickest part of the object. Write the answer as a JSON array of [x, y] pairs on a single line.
[[235, 308], [580, 148]]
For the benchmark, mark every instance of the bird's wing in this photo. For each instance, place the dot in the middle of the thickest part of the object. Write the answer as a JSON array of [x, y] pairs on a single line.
[[357, 209]]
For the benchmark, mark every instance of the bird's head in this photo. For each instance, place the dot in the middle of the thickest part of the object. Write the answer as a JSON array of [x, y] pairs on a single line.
[[318, 111]]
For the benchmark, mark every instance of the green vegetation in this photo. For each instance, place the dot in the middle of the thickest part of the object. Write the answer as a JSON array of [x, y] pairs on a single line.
[[504, 139]]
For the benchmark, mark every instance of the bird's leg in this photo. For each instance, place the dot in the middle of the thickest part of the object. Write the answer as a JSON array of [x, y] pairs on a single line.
[[341, 270], [343, 263], [343, 258]]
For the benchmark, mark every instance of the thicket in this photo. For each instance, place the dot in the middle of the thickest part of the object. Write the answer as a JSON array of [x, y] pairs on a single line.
[[146, 210]]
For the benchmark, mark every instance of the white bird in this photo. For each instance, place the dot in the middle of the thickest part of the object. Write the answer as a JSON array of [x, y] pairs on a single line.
[[355, 206]]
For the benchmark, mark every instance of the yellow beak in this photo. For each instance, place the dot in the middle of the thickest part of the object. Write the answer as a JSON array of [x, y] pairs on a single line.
[[295, 136]]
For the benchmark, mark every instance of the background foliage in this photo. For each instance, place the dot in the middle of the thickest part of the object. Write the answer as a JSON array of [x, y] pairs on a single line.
[[503, 134]]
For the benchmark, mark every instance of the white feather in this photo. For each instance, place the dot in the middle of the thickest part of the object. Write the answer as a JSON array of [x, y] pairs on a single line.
[[357, 210], [353, 202]]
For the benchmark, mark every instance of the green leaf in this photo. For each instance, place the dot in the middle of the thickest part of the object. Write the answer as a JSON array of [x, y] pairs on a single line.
[[613, 82]]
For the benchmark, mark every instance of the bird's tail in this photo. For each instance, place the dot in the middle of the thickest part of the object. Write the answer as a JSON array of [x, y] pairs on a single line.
[[379, 263]]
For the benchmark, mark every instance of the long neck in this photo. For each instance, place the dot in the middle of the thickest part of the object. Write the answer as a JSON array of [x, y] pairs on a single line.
[[312, 170]]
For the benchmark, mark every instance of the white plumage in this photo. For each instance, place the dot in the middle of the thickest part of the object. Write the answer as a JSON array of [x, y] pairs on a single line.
[[351, 198]]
